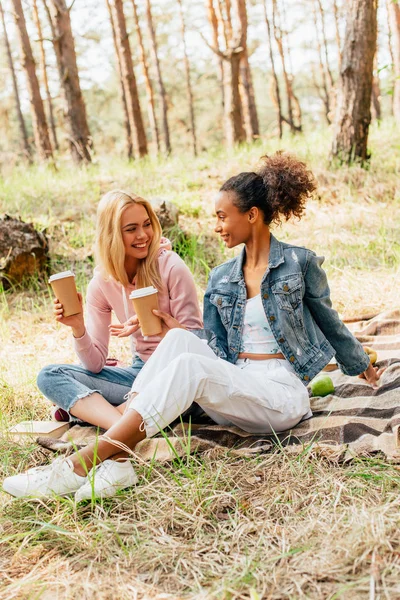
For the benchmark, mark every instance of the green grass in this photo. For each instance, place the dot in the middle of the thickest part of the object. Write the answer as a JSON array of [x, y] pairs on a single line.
[[212, 526]]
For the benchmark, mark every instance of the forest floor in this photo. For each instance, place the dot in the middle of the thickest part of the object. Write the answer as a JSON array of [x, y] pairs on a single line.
[[211, 526]]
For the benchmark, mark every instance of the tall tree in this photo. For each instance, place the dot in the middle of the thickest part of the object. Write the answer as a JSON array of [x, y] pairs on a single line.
[[79, 134], [44, 74], [212, 18], [232, 54], [394, 20], [376, 92], [337, 33], [276, 94], [324, 87], [163, 95], [353, 110], [21, 122], [188, 80], [325, 40], [246, 81], [129, 79], [41, 133], [122, 96], [292, 102], [151, 105]]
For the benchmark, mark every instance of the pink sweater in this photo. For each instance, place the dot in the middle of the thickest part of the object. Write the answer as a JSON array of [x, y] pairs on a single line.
[[179, 300]]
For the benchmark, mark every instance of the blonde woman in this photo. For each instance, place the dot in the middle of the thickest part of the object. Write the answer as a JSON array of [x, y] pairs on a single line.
[[131, 253]]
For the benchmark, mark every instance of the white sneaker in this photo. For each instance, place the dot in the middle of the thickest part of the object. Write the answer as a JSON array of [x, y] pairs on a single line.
[[106, 479], [57, 479]]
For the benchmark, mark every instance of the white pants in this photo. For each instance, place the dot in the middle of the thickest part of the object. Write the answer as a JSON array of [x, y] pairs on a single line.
[[257, 396]]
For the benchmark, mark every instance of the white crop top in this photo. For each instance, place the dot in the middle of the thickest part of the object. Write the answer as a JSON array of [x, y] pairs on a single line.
[[257, 337]]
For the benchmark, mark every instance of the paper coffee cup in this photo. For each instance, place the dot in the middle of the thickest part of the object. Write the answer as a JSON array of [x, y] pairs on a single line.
[[144, 301], [64, 288]]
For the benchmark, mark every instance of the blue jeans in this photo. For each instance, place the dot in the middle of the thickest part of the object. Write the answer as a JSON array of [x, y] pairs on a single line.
[[64, 385]]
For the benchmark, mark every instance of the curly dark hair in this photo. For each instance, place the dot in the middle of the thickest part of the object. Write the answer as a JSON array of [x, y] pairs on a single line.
[[280, 188]]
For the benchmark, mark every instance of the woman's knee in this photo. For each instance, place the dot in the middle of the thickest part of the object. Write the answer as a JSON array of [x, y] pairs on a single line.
[[51, 375], [178, 335], [45, 377]]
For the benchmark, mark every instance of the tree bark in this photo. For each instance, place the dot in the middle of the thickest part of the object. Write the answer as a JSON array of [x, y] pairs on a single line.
[[163, 95], [376, 92], [122, 96], [337, 33], [149, 87], [235, 43], [128, 75], [78, 130], [276, 95], [44, 74], [21, 122], [41, 133], [394, 20], [323, 29], [188, 80], [323, 88], [291, 99], [248, 98], [212, 17], [353, 111], [235, 132]]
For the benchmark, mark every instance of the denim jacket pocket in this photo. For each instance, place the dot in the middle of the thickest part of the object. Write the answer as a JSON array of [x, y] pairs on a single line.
[[224, 304], [288, 292]]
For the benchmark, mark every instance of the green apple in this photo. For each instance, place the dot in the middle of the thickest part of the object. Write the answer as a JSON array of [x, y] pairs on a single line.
[[322, 386]]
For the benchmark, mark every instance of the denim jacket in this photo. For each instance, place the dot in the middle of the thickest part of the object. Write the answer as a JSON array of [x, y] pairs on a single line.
[[296, 299]]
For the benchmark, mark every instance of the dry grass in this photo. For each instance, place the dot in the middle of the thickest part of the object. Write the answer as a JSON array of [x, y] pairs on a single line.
[[277, 526]]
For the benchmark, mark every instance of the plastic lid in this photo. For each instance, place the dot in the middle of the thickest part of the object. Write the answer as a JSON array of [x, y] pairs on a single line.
[[141, 292], [61, 275]]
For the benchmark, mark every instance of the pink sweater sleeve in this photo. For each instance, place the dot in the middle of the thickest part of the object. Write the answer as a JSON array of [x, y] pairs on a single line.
[[184, 304], [92, 347]]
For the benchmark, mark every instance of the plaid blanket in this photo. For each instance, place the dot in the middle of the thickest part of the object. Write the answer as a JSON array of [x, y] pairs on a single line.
[[355, 420]]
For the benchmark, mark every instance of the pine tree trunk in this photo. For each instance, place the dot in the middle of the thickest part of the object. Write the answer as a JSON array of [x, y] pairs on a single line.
[[41, 133], [53, 39], [246, 80], [323, 88], [151, 105], [122, 96], [323, 29], [21, 122], [376, 92], [79, 135], [212, 17], [188, 81], [248, 100], [44, 73], [394, 19], [129, 79], [161, 87], [337, 33], [353, 111], [276, 96], [235, 133], [279, 42]]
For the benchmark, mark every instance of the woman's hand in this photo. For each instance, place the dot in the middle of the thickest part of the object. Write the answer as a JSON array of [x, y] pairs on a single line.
[[124, 329], [167, 322], [372, 375], [76, 322]]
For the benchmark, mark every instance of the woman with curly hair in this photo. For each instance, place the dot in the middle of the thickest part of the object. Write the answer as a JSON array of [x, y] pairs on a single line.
[[269, 328]]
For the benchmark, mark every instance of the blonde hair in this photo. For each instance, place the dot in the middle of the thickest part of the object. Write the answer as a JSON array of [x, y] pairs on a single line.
[[109, 249]]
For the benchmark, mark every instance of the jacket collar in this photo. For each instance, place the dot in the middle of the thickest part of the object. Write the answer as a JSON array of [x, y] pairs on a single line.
[[276, 257]]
